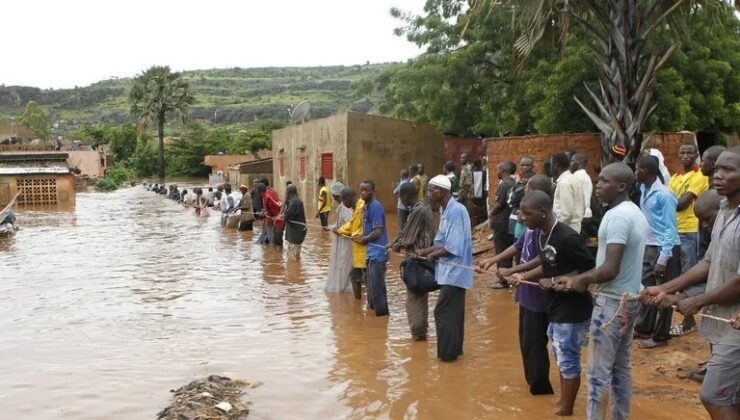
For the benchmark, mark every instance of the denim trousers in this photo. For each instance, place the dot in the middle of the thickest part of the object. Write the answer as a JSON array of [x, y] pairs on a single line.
[[609, 353], [689, 250]]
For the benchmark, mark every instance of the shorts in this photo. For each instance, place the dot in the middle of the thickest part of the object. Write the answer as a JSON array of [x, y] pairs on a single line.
[[567, 340], [721, 384]]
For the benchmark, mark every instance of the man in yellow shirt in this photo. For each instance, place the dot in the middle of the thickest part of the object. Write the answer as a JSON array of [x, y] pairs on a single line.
[[324, 203], [353, 229], [687, 186]]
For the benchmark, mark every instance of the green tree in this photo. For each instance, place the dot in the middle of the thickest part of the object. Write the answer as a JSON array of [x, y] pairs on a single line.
[[624, 51], [36, 120], [159, 93]]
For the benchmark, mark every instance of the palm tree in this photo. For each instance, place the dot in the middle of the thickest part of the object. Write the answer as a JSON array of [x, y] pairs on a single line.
[[621, 52], [157, 94]]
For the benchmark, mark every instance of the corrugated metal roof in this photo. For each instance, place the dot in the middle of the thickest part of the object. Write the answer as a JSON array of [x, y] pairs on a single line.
[[26, 170]]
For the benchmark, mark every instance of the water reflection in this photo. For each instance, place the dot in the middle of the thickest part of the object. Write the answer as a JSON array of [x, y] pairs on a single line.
[[107, 306]]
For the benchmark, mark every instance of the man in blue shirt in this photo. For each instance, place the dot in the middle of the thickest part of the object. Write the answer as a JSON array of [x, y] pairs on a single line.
[[403, 212], [662, 261], [453, 253], [375, 236], [618, 273]]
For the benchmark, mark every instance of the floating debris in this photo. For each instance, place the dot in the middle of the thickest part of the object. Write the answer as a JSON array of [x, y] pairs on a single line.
[[214, 397]]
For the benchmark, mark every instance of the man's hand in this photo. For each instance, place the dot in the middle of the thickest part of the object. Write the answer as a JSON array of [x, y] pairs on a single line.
[[570, 284], [546, 283], [659, 271], [361, 240], [484, 266], [689, 306], [735, 321], [515, 279], [397, 248], [504, 273], [649, 295]]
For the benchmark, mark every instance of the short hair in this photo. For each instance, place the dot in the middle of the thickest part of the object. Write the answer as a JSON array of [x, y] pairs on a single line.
[[691, 144], [265, 181], [210, 189], [561, 159], [538, 199], [370, 183], [450, 166], [649, 163], [541, 183], [409, 189], [713, 152], [227, 186], [322, 180], [348, 193], [511, 165], [413, 169], [405, 173], [291, 189]]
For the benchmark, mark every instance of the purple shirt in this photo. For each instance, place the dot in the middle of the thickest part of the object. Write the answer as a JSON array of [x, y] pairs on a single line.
[[530, 297]]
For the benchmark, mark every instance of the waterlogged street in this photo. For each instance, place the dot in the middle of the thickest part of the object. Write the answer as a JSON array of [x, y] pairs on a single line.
[[106, 307]]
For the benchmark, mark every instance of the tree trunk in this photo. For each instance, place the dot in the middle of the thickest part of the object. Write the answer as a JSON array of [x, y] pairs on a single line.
[[160, 134]]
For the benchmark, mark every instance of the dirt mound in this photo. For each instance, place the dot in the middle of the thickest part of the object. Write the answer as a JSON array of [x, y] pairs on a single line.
[[214, 397]]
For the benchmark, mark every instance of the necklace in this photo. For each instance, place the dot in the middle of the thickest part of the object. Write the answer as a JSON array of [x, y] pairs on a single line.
[[548, 236]]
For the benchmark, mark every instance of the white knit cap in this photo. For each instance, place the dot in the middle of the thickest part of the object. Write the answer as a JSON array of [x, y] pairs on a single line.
[[336, 188], [441, 181]]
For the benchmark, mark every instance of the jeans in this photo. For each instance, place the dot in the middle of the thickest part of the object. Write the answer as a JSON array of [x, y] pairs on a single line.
[[376, 290], [689, 250], [609, 352], [567, 340]]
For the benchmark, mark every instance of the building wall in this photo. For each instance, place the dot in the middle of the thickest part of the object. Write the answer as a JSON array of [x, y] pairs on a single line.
[[379, 147], [65, 187], [222, 162], [453, 147], [91, 162], [310, 140]]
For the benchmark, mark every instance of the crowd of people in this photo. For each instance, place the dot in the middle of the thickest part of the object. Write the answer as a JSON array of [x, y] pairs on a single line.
[[660, 243]]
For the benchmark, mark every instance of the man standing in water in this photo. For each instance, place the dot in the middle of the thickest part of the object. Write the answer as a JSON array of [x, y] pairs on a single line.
[[324, 203], [618, 272], [403, 211], [353, 229], [295, 223], [452, 245], [246, 219], [375, 236], [562, 251], [418, 234]]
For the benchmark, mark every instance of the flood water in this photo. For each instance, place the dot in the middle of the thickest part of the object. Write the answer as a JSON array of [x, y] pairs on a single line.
[[106, 307]]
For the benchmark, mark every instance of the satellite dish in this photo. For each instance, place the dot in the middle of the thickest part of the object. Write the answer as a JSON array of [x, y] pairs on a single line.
[[300, 111]]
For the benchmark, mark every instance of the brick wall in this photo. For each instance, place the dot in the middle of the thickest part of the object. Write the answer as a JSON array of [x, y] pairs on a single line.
[[668, 144], [453, 147]]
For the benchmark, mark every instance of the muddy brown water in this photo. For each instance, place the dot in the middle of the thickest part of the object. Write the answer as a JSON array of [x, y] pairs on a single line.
[[106, 307]]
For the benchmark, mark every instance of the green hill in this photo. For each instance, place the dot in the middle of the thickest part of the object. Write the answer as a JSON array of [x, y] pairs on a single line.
[[224, 97]]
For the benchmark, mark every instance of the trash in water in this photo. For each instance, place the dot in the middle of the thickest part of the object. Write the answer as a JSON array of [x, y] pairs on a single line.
[[214, 397]]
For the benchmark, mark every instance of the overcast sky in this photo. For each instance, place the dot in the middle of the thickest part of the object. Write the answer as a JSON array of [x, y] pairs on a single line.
[[63, 43]]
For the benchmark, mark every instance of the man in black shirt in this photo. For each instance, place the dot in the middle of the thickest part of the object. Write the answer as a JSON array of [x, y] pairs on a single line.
[[501, 211], [563, 252]]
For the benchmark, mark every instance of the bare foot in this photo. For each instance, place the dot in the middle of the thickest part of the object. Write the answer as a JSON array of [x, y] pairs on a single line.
[[563, 413]]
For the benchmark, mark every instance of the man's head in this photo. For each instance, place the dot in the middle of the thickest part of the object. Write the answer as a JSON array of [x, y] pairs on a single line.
[[288, 183], [243, 189], [413, 170], [687, 154], [260, 187], [464, 158], [534, 209], [420, 168], [220, 188], [349, 198], [526, 165], [321, 181], [367, 190], [404, 173], [449, 167], [578, 161], [559, 163], [291, 191], [439, 190], [409, 194], [727, 173], [265, 181], [709, 158], [647, 169], [505, 169], [539, 183], [218, 195], [198, 191], [615, 182], [227, 188], [210, 189], [706, 208]]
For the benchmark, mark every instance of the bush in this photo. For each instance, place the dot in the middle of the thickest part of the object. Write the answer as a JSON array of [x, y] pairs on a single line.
[[119, 174], [106, 184]]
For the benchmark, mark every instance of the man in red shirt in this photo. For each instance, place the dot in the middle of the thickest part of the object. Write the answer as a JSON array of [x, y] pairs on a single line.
[[272, 208]]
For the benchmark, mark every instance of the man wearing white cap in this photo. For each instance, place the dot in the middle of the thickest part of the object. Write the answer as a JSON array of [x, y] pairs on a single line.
[[452, 245]]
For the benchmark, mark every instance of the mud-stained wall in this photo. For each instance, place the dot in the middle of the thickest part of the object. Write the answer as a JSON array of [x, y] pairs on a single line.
[[90, 162], [380, 147], [307, 142], [454, 146]]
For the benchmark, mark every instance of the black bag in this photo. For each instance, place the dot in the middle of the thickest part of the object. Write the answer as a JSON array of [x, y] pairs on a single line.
[[418, 276]]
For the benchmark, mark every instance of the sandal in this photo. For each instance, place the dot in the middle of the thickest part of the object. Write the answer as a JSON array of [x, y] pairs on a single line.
[[678, 331]]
